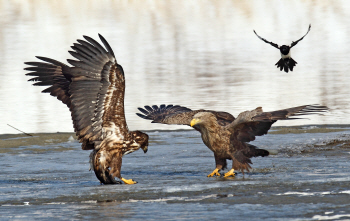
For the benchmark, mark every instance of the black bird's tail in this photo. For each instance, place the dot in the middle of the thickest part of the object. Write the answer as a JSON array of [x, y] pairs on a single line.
[[286, 64]]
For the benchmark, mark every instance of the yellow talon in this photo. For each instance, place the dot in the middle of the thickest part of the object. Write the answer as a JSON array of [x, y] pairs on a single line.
[[214, 173], [230, 173], [128, 181]]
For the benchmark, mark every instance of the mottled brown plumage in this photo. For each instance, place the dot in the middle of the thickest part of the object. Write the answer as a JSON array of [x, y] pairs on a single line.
[[225, 135], [93, 89]]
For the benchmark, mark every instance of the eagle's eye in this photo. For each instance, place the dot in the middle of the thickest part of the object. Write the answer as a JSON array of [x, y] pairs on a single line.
[[140, 137]]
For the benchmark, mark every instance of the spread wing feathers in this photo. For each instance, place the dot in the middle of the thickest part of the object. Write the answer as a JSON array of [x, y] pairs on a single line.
[[175, 114], [285, 114], [167, 114], [51, 74], [253, 123], [93, 89], [296, 42], [269, 42]]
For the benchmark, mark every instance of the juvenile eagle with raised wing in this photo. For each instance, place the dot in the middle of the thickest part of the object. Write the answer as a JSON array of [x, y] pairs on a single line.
[[225, 135], [93, 89]]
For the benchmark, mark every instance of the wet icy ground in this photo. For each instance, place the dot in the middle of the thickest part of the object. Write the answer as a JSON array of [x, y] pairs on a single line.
[[306, 177]]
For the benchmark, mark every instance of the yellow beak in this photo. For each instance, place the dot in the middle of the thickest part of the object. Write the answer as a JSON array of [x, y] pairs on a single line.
[[194, 121]]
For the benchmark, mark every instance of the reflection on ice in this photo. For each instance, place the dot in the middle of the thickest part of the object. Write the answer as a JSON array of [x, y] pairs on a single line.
[[200, 55]]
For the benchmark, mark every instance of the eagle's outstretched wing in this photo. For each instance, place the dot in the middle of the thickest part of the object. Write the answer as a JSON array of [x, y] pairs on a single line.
[[175, 114], [93, 89], [51, 74], [253, 123], [269, 42], [296, 42]]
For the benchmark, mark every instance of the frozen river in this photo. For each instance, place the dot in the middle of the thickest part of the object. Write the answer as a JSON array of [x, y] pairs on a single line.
[[306, 177]]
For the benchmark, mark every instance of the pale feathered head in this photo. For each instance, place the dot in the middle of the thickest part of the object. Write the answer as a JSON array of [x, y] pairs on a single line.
[[203, 119]]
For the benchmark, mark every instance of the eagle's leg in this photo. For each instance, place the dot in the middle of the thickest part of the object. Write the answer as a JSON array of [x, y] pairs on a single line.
[[230, 173], [220, 164], [116, 166], [100, 168]]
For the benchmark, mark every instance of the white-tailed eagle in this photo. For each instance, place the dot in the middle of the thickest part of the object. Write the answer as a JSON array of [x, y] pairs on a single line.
[[225, 135], [93, 89]]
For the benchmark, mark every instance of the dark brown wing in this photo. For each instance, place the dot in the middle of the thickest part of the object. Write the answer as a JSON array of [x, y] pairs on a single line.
[[170, 114], [51, 74], [269, 42], [296, 42], [93, 89], [253, 123], [167, 114]]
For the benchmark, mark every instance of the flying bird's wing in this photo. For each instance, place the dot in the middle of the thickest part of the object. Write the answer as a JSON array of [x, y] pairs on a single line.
[[253, 123], [170, 114], [93, 89], [269, 42], [296, 42]]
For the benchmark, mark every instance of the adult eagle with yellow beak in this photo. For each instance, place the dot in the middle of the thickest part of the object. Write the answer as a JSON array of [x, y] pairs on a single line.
[[225, 135]]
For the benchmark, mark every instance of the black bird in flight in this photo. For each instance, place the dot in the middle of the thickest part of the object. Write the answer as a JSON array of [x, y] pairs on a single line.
[[286, 62]]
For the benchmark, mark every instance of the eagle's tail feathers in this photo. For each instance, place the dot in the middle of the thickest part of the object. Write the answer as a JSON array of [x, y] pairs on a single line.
[[241, 159]]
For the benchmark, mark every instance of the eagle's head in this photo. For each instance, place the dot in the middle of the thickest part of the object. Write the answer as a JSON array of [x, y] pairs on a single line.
[[203, 119], [141, 139]]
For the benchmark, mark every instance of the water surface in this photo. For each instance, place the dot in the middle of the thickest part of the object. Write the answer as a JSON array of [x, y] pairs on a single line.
[[200, 54]]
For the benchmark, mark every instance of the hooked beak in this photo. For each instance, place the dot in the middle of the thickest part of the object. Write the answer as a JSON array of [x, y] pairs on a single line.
[[145, 148], [194, 121]]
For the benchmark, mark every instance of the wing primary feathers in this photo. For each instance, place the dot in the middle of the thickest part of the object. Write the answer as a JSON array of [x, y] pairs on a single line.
[[296, 42], [142, 116], [266, 41], [149, 108], [287, 114], [167, 114], [81, 65], [40, 64], [81, 57], [52, 61], [311, 109], [86, 47], [176, 114], [143, 110], [105, 43], [38, 68], [96, 44]]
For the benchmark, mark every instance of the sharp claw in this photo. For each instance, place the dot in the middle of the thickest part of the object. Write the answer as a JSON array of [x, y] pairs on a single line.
[[230, 173], [214, 173]]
